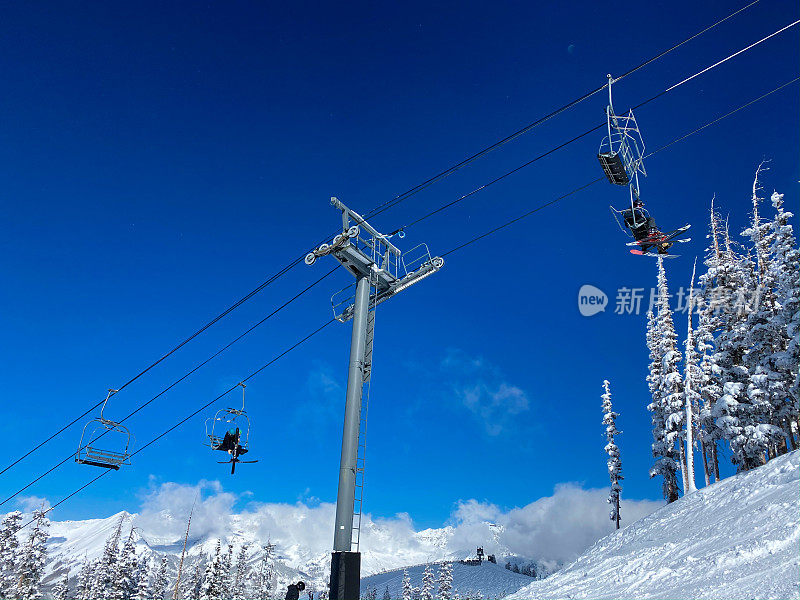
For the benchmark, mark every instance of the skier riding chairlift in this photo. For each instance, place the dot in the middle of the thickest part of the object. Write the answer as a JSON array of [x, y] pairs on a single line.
[[643, 227]]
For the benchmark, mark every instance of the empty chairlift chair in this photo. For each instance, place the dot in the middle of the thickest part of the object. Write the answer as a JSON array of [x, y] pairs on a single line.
[[104, 443], [621, 151]]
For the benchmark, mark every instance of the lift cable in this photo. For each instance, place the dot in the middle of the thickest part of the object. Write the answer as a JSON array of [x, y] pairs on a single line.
[[172, 385], [584, 186], [375, 211], [431, 213], [451, 251], [467, 161], [193, 414], [584, 134]]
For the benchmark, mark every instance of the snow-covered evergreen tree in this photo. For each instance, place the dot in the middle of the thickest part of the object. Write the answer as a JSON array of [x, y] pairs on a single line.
[[614, 461], [266, 573], [386, 594], [9, 553], [106, 569], [158, 586], [711, 303], [428, 583], [239, 584], [84, 580], [764, 336], [736, 415], [212, 580], [226, 572], [408, 589], [33, 554], [61, 589], [692, 382], [142, 581], [445, 581], [785, 267], [126, 570], [194, 587], [659, 339]]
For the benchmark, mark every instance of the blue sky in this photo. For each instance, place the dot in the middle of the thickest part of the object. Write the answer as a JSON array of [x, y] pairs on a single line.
[[159, 161]]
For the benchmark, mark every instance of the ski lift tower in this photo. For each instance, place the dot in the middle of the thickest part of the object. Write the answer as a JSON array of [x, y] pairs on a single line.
[[381, 271]]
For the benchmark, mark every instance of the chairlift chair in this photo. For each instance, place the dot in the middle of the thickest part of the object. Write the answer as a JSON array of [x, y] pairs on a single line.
[[230, 432], [621, 151], [90, 454]]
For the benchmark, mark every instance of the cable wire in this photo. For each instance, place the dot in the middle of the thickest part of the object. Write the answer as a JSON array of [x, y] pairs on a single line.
[[470, 159], [590, 183], [172, 385], [378, 210], [431, 213], [585, 133], [451, 251], [193, 414]]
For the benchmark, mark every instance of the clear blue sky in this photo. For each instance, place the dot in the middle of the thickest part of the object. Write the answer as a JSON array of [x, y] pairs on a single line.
[[159, 160]]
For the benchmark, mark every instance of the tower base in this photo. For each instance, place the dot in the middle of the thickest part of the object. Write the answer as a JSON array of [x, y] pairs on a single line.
[[345, 576]]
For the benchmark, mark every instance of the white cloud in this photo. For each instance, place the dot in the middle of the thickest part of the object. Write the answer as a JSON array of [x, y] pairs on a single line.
[[29, 504], [554, 528]]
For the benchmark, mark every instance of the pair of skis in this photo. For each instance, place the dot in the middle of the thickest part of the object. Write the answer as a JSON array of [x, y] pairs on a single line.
[[657, 241]]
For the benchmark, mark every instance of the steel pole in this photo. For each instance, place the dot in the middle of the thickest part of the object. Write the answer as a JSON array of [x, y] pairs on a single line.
[[343, 533]]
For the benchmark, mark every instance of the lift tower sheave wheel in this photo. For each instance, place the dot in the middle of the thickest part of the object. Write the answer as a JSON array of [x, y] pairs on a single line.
[[381, 271]]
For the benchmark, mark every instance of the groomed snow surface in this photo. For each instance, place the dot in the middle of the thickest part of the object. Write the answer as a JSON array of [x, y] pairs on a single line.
[[735, 539]]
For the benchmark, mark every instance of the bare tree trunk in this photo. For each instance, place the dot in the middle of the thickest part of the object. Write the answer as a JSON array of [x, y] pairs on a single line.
[[715, 461], [682, 458], [705, 462]]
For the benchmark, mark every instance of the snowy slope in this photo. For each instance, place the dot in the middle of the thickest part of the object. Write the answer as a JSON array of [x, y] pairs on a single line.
[[735, 539], [488, 579]]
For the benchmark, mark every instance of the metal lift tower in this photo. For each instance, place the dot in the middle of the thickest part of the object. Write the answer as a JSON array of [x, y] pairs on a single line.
[[381, 271]]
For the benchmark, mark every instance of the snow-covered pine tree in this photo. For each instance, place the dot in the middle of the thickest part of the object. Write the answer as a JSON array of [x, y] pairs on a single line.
[[158, 586], [734, 412], [226, 572], [692, 380], [126, 570], [671, 384], [266, 574], [764, 336], [386, 594], [194, 586], [142, 581], [785, 266], [614, 462], [428, 583], [408, 589], [239, 584], [710, 305], [212, 578], [445, 581], [84, 580], [9, 551], [665, 464], [61, 589], [106, 569], [33, 555]]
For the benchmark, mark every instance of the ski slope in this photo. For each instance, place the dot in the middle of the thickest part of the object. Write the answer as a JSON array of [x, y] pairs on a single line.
[[488, 579], [735, 539]]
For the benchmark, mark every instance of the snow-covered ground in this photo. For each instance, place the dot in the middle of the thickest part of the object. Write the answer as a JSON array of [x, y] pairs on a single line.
[[738, 538], [488, 579]]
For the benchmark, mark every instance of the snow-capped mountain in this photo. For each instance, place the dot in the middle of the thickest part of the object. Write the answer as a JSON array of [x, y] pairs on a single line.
[[734, 539]]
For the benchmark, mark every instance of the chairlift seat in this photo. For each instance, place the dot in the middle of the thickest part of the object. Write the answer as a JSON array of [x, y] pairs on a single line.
[[106, 459], [614, 168]]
